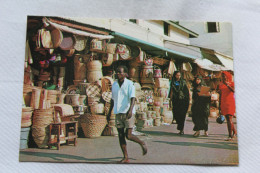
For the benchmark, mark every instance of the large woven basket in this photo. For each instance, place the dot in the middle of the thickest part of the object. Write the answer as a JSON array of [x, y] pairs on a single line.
[[40, 128], [93, 125]]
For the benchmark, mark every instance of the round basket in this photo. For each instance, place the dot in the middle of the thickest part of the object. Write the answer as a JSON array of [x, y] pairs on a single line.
[[80, 43], [93, 125], [68, 42], [56, 37], [72, 99]]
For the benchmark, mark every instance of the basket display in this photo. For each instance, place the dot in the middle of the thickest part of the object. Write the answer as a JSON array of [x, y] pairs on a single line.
[[93, 125]]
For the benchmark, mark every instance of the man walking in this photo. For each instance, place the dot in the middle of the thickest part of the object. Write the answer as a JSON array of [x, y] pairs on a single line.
[[123, 100]]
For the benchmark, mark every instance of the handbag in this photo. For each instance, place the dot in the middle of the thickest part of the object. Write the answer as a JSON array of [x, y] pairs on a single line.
[[220, 119]]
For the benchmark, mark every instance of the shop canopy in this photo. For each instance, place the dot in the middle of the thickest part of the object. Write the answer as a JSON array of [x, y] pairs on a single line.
[[76, 31], [151, 48], [218, 58], [208, 65]]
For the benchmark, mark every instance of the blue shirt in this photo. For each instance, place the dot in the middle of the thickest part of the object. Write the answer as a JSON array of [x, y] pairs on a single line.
[[122, 96]]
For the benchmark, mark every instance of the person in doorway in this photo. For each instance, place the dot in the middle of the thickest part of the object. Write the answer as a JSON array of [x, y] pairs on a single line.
[[179, 97], [200, 107], [227, 102], [123, 101]]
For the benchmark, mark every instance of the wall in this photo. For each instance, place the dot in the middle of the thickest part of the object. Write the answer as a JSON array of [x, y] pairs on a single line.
[[219, 41], [147, 30]]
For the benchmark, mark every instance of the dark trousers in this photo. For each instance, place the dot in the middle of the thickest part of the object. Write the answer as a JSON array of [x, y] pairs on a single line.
[[180, 117]]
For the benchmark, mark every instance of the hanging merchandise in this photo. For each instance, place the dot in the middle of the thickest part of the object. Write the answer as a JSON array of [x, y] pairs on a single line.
[[97, 45], [172, 68], [160, 61], [146, 76], [121, 49], [46, 39], [107, 59], [56, 37], [157, 72], [148, 61], [68, 41], [80, 43], [127, 53], [186, 66], [111, 48]]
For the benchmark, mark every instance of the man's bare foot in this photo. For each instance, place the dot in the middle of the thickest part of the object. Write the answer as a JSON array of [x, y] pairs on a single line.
[[124, 160]]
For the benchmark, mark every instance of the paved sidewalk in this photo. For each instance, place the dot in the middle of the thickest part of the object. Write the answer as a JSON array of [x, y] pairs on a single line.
[[164, 147]]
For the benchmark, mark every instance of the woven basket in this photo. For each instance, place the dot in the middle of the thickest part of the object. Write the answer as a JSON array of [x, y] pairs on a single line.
[[40, 128], [35, 99], [26, 117], [97, 108], [93, 125]]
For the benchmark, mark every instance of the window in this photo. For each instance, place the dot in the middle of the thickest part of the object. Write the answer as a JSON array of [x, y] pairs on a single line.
[[213, 27], [166, 28], [133, 20]]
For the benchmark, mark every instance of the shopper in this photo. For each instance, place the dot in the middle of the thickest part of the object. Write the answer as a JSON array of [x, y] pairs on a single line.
[[227, 102], [123, 100], [179, 97], [200, 107]]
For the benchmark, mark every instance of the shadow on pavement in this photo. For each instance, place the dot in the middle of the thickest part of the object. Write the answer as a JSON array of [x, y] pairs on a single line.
[[60, 157], [220, 145]]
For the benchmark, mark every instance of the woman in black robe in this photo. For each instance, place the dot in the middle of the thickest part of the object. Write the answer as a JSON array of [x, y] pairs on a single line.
[[200, 107], [180, 100]]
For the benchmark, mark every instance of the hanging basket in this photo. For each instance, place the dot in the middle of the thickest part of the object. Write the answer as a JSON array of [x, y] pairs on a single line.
[[80, 43], [107, 59]]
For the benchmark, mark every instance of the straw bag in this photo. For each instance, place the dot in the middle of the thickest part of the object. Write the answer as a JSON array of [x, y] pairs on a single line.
[[107, 96], [93, 90]]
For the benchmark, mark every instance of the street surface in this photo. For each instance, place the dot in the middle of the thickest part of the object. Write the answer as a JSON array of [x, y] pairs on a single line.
[[164, 147]]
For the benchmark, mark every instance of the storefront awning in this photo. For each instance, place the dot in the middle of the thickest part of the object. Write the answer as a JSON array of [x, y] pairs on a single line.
[[76, 31], [218, 58], [187, 49], [152, 48], [208, 65], [227, 62]]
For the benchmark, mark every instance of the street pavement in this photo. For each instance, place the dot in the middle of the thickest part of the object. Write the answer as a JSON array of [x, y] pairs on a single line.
[[165, 146]]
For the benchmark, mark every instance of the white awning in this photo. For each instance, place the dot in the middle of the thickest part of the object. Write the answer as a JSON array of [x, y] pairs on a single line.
[[208, 65], [227, 62], [75, 31]]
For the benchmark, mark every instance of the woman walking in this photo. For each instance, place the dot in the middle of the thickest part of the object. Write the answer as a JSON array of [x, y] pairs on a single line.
[[200, 107], [227, 102], [180, 100]]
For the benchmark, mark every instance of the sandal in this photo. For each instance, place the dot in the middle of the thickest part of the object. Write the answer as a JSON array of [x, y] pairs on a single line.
[[206, 134], [229, 139], [181, 132], [196, 134]]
